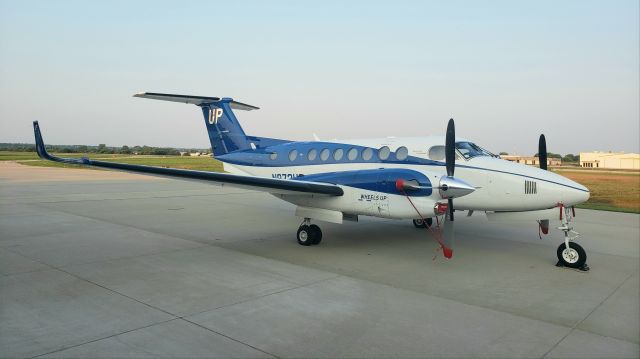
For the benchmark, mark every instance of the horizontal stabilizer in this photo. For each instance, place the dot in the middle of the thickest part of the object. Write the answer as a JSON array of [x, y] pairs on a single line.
[[194, 100]]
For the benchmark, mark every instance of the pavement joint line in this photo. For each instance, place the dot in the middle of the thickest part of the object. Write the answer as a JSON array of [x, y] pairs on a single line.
[[116, 292], [8, 249], [126, 225], [572, 328], [49, 267], [175, 317], [504, 311], [133, 257], [107, 337], [337, 275], [184, 317], [575, 326], [296, 286], [230, 338], [200, 241]]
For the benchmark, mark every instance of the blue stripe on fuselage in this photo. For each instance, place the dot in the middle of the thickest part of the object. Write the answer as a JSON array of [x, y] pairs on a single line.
[[377, 180], [263, 157]]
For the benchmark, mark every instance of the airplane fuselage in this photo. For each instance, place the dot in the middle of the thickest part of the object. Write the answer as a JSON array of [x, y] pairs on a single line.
[[500, 185]]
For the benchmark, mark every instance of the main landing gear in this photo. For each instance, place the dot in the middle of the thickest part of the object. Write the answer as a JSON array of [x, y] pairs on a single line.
[[309, 234], [419, 223], [570, 254]]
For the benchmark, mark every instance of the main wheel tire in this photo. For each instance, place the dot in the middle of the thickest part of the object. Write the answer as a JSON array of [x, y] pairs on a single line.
[[419, 223], [305, 236], [572, 257], [316, 234]]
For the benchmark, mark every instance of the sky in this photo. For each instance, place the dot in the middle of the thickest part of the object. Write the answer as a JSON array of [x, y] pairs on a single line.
[[506, 71]]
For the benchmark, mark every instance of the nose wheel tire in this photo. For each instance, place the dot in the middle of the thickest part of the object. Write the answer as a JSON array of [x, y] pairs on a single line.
[[572, 257], [309, 235], [419, 223]]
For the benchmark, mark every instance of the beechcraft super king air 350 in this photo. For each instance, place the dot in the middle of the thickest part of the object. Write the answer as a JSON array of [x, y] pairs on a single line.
[[395, 178]]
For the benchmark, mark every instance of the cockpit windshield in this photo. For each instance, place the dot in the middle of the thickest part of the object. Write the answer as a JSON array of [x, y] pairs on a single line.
[[470, 150]]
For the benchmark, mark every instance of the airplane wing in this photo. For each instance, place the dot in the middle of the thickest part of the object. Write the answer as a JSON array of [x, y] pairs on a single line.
[[271, 185]]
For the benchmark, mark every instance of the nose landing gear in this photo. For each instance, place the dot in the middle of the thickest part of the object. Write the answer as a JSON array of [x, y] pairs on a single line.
[[309, 234], [570, 254]]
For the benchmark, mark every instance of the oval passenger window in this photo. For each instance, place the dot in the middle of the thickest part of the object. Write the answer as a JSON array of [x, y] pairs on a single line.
[[324, 154], [352, 154], [384, 152], [293, 154], [367, 154], [436, 153], [337, 155], [312, 154], [402, 153]]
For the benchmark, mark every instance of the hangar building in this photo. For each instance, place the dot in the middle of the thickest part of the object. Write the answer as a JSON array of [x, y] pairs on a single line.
[[618, 160]]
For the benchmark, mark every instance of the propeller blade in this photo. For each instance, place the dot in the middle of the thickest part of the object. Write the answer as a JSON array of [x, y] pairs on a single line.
[[450, 144], [448, 233], [542, 152]]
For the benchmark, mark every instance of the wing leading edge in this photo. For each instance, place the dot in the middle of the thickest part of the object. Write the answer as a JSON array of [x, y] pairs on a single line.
[[271, 185]]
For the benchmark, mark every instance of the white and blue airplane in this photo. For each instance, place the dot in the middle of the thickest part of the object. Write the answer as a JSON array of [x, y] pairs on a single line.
[[395, 178]]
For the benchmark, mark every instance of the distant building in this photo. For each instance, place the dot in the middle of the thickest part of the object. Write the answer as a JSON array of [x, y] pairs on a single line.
[[617, 160], [534, 161]]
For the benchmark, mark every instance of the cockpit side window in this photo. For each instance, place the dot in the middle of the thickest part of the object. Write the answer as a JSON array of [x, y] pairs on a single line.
[[470, 150]]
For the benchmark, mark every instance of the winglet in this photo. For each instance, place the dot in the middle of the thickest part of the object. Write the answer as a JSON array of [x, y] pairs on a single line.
[[42, 151]]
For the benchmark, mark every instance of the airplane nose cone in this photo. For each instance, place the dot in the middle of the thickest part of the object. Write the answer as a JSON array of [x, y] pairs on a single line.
[[451, 187], [576, 195]]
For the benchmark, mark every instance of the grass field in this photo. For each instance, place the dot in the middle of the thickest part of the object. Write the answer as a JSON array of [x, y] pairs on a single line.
[[610, 191], [190, 163]]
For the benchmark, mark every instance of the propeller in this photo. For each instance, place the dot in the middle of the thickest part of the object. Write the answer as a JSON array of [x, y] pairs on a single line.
[[542, 152], [449, 186], [450, 161]]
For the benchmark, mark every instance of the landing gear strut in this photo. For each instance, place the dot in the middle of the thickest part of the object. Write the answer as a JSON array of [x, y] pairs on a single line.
[[570, 254], [419, 223], [309, 234]]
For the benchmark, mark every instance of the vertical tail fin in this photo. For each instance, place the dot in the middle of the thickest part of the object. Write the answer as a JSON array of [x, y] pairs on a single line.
[[225, 133]]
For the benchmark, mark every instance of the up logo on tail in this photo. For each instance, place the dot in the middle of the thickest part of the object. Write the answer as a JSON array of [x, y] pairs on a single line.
[[214, 115]]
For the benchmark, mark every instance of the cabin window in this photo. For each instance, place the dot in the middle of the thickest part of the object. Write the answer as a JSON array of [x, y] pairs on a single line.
[[436, 153], [313, 153], [367, 154], [273, 156], [337, 154], [324, 154], [384, 152], [402, 153], [352, 154], [293, 155]]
